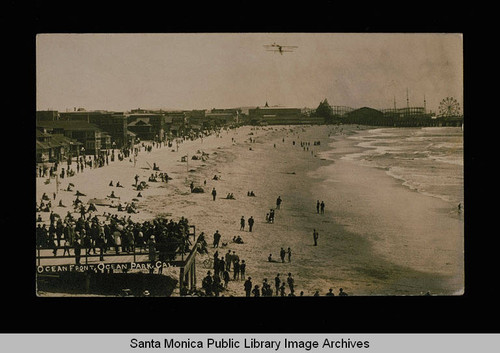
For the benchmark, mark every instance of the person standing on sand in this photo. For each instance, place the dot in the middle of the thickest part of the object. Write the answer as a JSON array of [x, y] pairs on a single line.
[[214, 193], [229, 259], [278, 202], [317, 207], [282, 289], [216, 239], [282, 254], [236, 270], [242, 223], [250, 223], [277, 282], [225, 277], [248, 286], [290, 282], [315, 236], [243, 266], [322, 207], [289, 252]]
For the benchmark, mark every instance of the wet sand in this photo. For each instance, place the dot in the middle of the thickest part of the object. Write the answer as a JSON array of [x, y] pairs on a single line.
[[375, 238]]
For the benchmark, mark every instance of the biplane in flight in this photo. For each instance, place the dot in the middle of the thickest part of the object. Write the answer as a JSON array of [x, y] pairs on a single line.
[[280, 48]]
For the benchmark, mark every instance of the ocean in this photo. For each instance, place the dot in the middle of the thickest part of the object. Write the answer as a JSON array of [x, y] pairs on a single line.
[[395, 192], [427, 160]]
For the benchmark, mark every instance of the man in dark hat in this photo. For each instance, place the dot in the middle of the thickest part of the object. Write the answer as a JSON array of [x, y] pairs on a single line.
[[242, 223], [278, 202], [248, 286], [207, 284], [250, 223], [290, 282], [315, 237], [277, 282]]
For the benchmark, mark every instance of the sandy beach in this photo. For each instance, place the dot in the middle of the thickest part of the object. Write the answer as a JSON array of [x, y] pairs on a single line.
[[376, 236]]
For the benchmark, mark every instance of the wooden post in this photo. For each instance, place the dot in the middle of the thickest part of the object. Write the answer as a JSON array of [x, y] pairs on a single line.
[[194, 273], [181, 279]]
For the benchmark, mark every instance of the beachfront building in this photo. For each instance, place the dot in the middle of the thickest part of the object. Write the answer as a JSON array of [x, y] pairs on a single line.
[[147, 125], [112, 123], [175, 123], [275, 115], [47, 115], [365, 115], [220, 117], [142, 129], [54, 147], [89, 135], [405, 113]]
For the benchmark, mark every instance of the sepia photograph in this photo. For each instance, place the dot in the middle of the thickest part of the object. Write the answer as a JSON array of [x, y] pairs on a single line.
[[249, 165]]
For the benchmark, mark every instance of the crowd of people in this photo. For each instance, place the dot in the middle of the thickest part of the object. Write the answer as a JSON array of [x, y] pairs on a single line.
[[160, 239], [121, 234], [214, 284]]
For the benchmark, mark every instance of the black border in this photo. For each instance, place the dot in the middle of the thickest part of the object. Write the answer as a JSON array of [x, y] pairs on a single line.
[[233, 315]]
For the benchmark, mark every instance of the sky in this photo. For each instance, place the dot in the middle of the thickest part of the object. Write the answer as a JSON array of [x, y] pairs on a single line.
[[120, 72]]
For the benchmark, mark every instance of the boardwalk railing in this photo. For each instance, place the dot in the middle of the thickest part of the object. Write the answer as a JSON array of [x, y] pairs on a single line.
[[185, 261]]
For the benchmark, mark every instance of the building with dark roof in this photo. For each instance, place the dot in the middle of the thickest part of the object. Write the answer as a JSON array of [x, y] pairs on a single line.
[[54, 147], [147, 125], [113, 123], [89, 135], [142, 129], [275, 115]]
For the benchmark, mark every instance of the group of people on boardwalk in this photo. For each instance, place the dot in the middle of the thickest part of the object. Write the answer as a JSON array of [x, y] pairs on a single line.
[[161, 236]]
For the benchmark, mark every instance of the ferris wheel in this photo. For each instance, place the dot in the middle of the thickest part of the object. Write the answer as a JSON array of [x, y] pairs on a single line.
[[449, 107]]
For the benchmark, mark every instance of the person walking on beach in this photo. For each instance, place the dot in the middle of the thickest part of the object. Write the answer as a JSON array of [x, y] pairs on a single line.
[[278, 202], [250, 223], [317, 207], [315, 237], [282, 289], [282, 254], [248, 286], [214, 193], [271, 216], [225, 277], [322, 207], [290, 282], [242, 223], [216, 239], [229, 259], [207, 284], [243, 267], [236, 270]]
